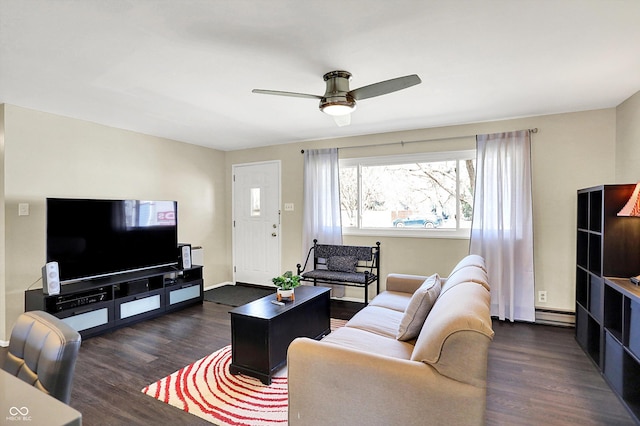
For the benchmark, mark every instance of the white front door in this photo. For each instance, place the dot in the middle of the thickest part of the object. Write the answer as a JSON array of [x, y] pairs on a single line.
[[256, 222]]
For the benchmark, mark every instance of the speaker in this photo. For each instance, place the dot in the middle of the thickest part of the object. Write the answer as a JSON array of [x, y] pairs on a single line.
[[51, 279], [184, 256]]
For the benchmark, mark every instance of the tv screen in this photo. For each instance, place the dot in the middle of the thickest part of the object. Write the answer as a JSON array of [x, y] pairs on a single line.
[[93, 238]]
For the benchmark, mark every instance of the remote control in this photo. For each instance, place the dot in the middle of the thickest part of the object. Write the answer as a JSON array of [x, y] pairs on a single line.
[[275, 302]]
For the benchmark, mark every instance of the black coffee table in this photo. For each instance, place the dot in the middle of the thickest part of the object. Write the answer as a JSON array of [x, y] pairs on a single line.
[[261, 331]]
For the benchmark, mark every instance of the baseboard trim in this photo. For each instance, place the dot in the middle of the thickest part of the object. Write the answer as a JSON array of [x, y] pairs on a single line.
[[555, 317], [212, 286]]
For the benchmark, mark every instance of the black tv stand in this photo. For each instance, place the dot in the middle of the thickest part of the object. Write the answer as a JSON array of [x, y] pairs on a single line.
[[99, 305]]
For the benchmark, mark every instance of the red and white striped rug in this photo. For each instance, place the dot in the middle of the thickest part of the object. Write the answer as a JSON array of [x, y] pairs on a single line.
[[207, 390]]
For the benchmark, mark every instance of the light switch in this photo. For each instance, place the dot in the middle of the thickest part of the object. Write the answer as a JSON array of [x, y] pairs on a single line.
[[23, 209], [288, 207]]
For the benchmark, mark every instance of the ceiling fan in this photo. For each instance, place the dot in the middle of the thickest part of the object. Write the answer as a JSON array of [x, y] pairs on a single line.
[[339, 102]]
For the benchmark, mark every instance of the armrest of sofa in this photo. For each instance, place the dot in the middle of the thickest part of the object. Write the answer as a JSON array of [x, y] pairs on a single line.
[[331, 384], [404, 282]]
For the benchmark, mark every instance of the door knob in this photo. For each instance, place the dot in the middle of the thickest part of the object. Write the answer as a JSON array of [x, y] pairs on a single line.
[[273, 234]]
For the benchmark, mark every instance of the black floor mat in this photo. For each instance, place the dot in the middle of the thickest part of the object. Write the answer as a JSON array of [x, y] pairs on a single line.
[[236, 295]]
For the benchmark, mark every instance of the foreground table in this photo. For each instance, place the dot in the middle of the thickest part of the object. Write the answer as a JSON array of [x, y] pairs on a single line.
[[22, 404], [261, 331]]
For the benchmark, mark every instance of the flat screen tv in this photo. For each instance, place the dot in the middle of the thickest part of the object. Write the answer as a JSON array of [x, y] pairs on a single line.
[[91, 238]]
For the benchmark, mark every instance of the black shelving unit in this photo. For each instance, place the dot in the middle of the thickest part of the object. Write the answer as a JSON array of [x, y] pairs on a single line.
[[607, 254], [99, 305], [622, 341]]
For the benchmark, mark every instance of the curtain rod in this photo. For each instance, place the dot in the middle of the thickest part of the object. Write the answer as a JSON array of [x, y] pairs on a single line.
[[534, 130]]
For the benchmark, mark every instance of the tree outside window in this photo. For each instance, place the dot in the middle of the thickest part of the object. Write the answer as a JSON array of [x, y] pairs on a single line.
[[428, 192]]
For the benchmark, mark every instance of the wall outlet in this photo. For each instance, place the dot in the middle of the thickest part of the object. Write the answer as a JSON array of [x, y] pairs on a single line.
[[542, 296]]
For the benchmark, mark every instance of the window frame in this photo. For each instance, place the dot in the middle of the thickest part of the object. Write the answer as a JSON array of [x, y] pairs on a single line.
[[358, 162]]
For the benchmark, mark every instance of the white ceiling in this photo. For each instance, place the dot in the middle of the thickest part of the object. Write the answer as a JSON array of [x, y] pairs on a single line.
[[184, 69]]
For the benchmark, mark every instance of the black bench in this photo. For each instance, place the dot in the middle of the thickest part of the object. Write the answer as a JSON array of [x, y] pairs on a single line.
[[352, 266]]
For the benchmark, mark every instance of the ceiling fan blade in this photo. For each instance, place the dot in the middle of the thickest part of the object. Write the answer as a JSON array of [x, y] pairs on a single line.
[[384, 87], [280, 93], [342, 120]]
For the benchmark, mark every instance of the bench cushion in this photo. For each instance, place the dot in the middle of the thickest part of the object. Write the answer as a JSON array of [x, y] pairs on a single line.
[[326, 251], [347, 277], [342, 263]]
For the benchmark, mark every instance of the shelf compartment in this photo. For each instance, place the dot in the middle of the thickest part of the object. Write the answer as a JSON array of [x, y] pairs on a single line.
[[613, 312], [583, 210], [595, 211], [622, 372], [595, 253], [634, 328], [613, 363], [178, 296], [191, 274], [89, 319], [582, 287], [582, 249], [630, 389], [588, 334], [595, 297], [140, 306]]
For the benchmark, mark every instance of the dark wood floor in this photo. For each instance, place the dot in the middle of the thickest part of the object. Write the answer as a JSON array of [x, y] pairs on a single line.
[[537, 374]]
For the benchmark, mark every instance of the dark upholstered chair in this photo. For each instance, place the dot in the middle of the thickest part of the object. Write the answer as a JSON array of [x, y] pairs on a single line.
[[43, 352]]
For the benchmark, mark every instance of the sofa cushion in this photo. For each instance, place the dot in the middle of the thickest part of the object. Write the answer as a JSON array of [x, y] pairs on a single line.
[[355, 338], [470, 260], [378, 320], [470, 269], [342, 263], [419, 306], [456, 332], [395, 300]]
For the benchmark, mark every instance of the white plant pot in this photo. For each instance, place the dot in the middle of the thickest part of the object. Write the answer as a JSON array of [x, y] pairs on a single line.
[[285, 294]]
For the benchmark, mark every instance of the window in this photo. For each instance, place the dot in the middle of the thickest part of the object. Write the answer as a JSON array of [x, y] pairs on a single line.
[[427, 194]]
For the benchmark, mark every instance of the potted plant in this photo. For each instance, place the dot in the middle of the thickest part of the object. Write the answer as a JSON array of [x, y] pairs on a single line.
[[285, 284]]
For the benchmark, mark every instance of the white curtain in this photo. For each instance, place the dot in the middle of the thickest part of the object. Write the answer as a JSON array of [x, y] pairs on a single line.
[[502, 229], [321, 209]]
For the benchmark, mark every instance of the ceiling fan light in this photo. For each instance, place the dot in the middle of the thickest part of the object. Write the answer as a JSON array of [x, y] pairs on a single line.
[[338, 107]]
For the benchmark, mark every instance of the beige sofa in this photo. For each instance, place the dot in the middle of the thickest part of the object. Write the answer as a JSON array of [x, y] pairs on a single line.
[[362, 374]]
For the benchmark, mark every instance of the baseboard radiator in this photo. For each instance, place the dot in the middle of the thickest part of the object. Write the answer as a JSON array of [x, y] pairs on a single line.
[[543, 316], [555, 317]]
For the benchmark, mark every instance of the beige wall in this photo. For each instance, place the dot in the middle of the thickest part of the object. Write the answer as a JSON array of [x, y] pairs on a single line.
[[628, 140], [53, 156], [45, 155], [570, 151]]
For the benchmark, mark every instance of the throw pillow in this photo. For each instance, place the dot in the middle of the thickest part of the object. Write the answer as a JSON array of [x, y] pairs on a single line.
[[418, 308], [342, 263]]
